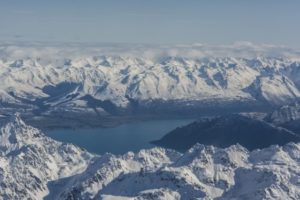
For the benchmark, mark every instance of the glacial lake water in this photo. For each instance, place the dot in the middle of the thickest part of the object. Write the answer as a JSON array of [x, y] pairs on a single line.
[[120, 139]]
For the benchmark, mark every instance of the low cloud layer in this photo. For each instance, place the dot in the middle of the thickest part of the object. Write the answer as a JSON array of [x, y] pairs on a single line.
[[56, 51]]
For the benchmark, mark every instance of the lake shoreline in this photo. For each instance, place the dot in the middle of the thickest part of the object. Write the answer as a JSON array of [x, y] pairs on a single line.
[[89, 122], [120, 139]]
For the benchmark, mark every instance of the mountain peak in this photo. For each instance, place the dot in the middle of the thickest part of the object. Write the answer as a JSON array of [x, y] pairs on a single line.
[[14, 133], [16, 119], [44, 168], [29, 159]]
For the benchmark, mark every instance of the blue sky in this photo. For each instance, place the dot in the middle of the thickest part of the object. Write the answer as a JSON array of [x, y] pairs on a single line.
[[151, 21]]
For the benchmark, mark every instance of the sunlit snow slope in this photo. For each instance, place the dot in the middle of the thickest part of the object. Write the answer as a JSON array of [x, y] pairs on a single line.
[[44, 81], [33, 166]]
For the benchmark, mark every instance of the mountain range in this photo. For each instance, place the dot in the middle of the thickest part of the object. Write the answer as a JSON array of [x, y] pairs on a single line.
[[34, 166], [52, 89], [126, 86]]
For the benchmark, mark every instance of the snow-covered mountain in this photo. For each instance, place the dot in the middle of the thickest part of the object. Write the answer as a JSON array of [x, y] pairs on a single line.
[[287, 116], [34, 166], [120, 79], [110, 85], [29, 160], [284, 114]]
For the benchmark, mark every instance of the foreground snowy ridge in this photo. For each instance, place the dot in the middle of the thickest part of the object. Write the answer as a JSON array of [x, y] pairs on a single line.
[[34, 166]]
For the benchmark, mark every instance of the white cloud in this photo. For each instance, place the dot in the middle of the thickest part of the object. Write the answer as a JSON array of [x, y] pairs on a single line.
[[71, 50]]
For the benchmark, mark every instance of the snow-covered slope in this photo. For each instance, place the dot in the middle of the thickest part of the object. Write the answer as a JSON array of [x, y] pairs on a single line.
[[29, 160], [34, 166], [287, 116], [284, 114], [111, 84], [276, 89]]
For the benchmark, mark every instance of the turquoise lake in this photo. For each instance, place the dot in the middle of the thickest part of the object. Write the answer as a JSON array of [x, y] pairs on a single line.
[[120, 139]]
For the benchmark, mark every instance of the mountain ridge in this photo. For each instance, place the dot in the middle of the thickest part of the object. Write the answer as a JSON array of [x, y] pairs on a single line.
[[37, 167], [106, 86], [227, 130]]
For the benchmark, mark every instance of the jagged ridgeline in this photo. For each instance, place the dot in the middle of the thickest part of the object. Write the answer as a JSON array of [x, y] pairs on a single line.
[[33, 166], [121, 86]]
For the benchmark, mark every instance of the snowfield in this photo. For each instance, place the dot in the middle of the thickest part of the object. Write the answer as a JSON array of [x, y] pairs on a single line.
[[33, 166], [66, 85], [57, 81]]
